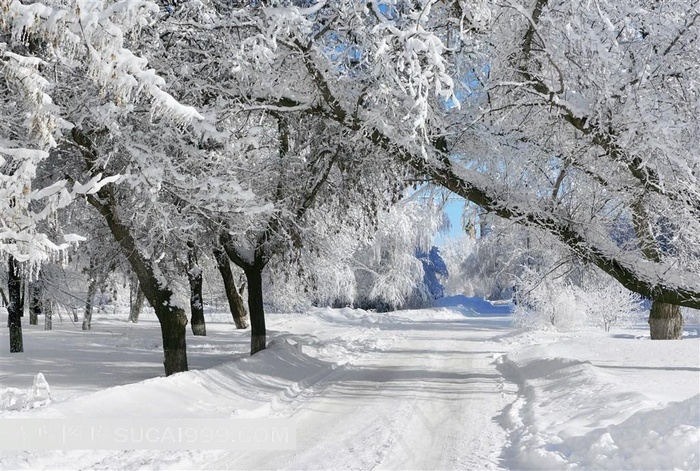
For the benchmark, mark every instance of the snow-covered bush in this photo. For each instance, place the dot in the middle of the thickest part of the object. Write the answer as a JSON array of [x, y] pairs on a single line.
[[563, 299], [608, 303], [551, 289], [548, 302], [491, 265], [38, 395]]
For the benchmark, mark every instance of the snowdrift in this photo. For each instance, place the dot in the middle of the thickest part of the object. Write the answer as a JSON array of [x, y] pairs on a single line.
[[603, 402]]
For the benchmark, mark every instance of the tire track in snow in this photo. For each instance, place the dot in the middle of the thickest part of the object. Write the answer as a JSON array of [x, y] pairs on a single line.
[[360, 343], [430, 400]]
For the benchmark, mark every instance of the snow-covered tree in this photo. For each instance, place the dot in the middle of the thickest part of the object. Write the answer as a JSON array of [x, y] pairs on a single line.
[[389, 272], [560, 144], [305, 170], [110, 119], [377, 266], [239, 123]]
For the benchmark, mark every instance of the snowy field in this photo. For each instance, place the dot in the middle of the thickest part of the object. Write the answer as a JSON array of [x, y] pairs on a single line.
[[453, 387]]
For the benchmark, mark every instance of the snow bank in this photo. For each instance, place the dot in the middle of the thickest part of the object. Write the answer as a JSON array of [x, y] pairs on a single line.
[[326, 340], [595, 401], [662, 438]]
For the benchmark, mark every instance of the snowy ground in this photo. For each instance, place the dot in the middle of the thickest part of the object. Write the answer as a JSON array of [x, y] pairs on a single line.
[[447, 388]]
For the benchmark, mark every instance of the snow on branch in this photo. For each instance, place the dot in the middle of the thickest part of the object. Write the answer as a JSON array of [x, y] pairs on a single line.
[[415, 56], [22, 72], [18, 221], [92, 33], [165, 105], [655, 280], [80, 39]]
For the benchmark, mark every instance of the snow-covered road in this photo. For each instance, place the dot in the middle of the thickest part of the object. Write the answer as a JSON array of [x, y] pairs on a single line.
[[429, 400]]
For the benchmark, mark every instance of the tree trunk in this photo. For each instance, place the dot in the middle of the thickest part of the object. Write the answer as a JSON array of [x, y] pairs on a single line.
[[194, 275], [172, 318], [135, 302], [48, 316], [89, 303], [255, 307], [35, 304], [665, 321], [235, 300], [253, 272], [173, 321], [15, 306]]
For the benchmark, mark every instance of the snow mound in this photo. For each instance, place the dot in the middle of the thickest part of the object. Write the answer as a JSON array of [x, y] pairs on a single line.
[[665, 438], [581, 405], [259, 386], [38, 395]]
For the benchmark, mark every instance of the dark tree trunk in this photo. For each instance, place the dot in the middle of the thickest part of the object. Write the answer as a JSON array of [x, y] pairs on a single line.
[[255, 307], [172, 318], [665, 321], [253, 272], [15, 305], [35, 302], [235, 300], [194, 275], [173, 321], [89, 304], [135, 302]]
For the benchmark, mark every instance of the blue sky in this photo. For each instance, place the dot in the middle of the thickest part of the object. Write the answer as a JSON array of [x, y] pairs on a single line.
[[454, 209]]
